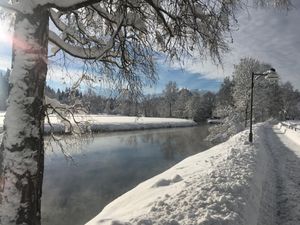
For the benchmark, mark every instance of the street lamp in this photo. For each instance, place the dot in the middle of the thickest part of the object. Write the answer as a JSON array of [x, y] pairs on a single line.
[[270, 75]]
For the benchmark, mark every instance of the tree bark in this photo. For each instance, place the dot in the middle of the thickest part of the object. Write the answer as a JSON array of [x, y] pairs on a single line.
[[21, 172]]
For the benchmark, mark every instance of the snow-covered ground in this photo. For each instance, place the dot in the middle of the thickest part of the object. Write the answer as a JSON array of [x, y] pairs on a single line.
[[291, 129], [292, 124], [285, 149], [115, 123], [234, 183]]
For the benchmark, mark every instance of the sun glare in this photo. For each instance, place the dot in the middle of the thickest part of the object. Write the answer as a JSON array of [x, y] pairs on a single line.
[[5, 33], [5, 45]]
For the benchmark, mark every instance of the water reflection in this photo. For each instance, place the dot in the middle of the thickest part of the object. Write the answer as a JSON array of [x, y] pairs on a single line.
[[108, 167], [184, 141]]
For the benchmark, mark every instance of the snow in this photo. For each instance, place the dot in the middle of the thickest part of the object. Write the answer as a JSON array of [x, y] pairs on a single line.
[[2, 114], [234, 183], [214, 121], [222, 185], [122, 123], [292, 124], [27, 6], [18, 98], [291, 130], [286, 153], [115, 123]]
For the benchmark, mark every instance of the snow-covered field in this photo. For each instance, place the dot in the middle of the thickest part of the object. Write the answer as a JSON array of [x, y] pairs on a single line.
[[234, 183], [115, 123]]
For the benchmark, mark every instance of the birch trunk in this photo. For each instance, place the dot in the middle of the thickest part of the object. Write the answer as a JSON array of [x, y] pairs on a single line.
[[21, 172]]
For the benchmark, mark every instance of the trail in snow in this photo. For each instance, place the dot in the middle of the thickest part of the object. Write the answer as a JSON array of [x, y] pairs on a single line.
[[286, 156]]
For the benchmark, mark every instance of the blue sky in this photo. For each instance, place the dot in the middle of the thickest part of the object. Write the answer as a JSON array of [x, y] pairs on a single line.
[[184, 79], [269, 35]]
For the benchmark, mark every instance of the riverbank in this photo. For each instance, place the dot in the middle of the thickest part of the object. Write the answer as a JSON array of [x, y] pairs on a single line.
[[232, 183], [109, 123]]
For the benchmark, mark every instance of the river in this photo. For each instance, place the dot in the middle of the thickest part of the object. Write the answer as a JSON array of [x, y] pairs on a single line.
[[108, 165]]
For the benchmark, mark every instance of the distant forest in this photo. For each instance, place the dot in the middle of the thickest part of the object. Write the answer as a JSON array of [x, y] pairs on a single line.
[[172, 102]]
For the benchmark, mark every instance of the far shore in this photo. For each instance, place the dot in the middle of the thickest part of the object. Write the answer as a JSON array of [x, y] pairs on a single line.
[[110, 123]]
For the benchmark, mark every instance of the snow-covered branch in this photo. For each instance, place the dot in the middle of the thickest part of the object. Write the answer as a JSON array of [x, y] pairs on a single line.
[[6, 5], [79, 52], [66, 115], [88, 46], [68, 5]]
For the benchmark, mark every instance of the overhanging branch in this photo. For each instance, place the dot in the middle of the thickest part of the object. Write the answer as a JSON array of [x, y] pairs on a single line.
[[78, 52], [4, 4], [72, 6]]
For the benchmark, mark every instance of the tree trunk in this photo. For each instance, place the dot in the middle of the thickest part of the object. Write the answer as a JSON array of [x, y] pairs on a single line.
[[23, 145]]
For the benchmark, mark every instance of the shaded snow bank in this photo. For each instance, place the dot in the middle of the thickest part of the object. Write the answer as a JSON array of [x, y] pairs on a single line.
[[223, 185], [113, 123]]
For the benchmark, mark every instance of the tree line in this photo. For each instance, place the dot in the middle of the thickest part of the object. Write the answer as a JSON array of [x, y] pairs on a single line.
[[172, 102], [272, 99]]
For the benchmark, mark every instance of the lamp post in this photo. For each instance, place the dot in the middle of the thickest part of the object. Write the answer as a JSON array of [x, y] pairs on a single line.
[[269, 75]]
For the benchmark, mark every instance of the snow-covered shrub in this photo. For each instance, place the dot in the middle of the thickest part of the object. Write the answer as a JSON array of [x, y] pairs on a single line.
[[232, 124]]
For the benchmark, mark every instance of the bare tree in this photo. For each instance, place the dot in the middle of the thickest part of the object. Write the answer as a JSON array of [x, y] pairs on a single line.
[[118, 37]]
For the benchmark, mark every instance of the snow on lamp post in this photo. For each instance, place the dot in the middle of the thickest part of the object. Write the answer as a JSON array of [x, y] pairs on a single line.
[[270, 75]]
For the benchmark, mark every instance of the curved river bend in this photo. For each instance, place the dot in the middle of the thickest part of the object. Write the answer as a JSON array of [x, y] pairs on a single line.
[[109, 165]]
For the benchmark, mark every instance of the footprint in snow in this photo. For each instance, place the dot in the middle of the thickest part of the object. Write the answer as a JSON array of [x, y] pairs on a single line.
[[166, 182]]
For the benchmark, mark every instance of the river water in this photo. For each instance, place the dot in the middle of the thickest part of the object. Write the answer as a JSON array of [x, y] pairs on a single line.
[[109, 165]]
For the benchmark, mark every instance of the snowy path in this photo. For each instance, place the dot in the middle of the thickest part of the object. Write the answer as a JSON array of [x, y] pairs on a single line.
[[286, 156]]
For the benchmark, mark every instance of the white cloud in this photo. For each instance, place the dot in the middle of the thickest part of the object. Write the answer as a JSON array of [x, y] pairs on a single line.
[[5, 63], [269, 35]]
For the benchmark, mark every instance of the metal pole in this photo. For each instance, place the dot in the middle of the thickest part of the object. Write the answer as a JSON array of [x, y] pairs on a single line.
[[251, 107]]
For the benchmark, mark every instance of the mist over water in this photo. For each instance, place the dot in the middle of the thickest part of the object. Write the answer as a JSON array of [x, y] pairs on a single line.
[[109, 165]]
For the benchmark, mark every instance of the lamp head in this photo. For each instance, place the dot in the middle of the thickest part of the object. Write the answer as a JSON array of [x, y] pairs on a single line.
[[271, 75]]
